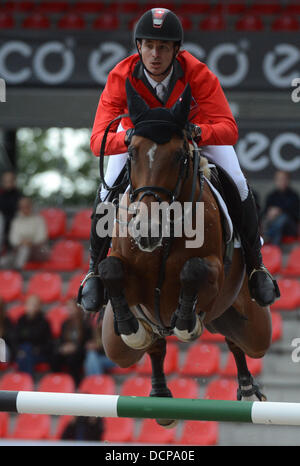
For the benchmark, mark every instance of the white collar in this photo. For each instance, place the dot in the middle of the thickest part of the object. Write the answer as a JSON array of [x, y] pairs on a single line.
[[165, 82]]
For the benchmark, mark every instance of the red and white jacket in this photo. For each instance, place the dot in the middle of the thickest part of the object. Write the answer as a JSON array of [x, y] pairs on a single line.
[[209, 107]]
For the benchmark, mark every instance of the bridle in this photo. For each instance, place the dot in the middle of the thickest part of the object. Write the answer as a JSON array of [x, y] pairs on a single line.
[[156, 192]]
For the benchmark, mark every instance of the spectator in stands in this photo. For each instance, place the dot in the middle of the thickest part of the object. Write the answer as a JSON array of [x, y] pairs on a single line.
[[33, 337], [6, 334], [28, 237], [96, 362], [9, 199], [71, 347], [84, 428], [282, 210]]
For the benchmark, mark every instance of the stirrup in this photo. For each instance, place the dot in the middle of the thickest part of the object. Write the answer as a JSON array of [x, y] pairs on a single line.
[[253, 287], [89, 275]]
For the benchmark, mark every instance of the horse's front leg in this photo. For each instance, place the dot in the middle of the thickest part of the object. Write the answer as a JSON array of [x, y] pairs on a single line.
[[196, 275], [131, 330]]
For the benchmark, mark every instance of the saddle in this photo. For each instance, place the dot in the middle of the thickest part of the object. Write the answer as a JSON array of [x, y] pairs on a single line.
[[228, 199]]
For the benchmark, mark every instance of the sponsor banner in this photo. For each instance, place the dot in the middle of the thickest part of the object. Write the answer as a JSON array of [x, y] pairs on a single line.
[[256, 61], [263, 152]]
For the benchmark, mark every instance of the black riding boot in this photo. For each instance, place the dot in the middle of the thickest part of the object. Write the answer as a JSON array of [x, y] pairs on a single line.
[[262, 286], [91, 296]]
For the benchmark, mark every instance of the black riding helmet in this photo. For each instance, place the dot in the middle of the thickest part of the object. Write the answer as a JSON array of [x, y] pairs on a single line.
[[159, 24]]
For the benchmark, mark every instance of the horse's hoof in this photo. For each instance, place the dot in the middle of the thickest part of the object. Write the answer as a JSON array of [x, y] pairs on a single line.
[[186, 336], [142, 339], [167, 423], [249, 391]]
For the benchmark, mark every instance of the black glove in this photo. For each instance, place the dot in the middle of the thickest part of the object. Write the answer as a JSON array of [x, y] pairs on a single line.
[[128, 137], [193, 132]]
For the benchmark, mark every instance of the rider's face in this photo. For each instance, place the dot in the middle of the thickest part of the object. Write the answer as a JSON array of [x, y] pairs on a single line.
[[157, 55]]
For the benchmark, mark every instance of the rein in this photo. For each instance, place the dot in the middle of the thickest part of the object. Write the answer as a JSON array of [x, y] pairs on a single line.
[[153, 191]]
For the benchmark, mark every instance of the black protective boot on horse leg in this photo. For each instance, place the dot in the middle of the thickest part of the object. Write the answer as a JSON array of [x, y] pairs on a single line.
[[262, 286]]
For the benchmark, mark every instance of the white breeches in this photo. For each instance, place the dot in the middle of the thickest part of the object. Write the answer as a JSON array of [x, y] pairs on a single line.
[[225, 156]]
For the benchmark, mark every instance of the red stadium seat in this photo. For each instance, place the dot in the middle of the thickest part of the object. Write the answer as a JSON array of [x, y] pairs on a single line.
[[153, 433], [56, 382], [265, 8], [201, 360], [249, 23], [106, 22], [11, 284], [292, 8], [16, 381], [290, 295], [276, 326], [4, 422], [15, 312], [48, 7], [197, 7], [81, 225], [98, 384], [136, 386], [221, 389], [118, 430], [47, 286], [285, 23], [229, 370], [71, 21], [17, 6], [272, 257], [32, 427], [213, 22], [88, 7], [62, 423], [66, 255], [186, 22], [6, 20], [170, 362], [199, 433], [56, 220], [292, 268], [182, 387], [56, 316], [73, 286], [36, 21]]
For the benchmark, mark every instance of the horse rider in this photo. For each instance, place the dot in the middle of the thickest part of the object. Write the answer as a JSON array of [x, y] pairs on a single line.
[[159, 72]]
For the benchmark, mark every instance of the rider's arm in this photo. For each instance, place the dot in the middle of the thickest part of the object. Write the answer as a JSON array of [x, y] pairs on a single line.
[[212, 113], [112, 103], [218, 126]]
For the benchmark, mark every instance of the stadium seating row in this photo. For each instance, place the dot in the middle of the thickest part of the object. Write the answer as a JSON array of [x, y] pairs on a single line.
[[116, 430], [108, 21]]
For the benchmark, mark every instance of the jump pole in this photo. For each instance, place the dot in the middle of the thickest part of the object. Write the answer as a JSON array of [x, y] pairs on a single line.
[[78, 404]]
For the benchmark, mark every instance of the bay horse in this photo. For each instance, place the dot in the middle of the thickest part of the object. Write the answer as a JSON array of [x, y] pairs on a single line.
[[156, 285]]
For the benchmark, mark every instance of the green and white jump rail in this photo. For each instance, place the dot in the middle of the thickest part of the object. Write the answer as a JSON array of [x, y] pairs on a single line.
[[77, 404]]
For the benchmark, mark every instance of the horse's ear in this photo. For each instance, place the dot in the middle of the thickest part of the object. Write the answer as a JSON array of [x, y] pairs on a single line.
[[136, 104], [181, 108]]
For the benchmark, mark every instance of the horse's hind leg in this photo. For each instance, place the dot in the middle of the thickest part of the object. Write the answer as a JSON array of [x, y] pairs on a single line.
[[248, 390], [157, 353]]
